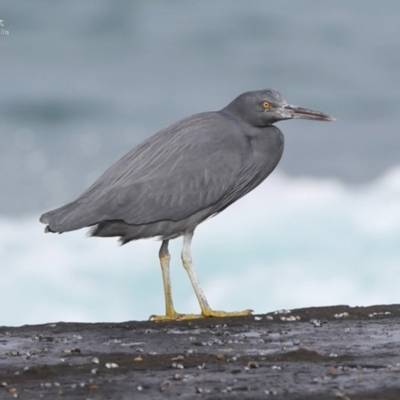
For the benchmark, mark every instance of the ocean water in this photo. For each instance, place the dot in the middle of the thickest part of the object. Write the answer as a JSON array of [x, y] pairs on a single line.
[[290, 243], [82, 83]]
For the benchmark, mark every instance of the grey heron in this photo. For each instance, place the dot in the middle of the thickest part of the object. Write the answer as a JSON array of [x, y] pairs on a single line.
[[182, 175]]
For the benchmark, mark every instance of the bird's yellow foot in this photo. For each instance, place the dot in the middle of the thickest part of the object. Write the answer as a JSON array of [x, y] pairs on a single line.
[[208, 313], [174, 317], [218, 314]]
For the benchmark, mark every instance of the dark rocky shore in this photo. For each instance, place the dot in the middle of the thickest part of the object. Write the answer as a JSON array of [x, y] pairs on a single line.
[[313, 353]]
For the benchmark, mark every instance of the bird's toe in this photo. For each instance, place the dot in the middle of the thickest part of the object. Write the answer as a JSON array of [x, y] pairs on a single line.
[[174, 317], [221, 314]]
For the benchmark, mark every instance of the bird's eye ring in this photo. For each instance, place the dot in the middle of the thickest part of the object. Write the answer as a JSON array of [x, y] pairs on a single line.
[[265, 104]]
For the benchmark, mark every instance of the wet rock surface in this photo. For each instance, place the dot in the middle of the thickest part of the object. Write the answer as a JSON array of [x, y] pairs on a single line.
[[312, 353]]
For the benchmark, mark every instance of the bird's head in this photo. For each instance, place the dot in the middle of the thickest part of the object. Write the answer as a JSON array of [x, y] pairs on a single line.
[[264, 107]]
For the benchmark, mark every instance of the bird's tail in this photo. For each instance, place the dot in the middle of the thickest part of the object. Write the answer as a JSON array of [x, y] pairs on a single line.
[[61, 219]]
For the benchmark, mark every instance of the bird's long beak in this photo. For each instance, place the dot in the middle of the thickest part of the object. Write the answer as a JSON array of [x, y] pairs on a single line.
[[305, 113]]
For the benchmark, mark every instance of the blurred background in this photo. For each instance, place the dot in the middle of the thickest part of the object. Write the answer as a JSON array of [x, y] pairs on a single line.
[[82, 82]]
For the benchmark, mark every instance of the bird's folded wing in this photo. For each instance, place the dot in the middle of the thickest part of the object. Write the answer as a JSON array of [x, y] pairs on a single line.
[[181, 170]]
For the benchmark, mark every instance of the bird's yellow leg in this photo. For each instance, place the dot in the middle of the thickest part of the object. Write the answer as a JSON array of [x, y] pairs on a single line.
[[165, 258], [170, 313], [206, 311]]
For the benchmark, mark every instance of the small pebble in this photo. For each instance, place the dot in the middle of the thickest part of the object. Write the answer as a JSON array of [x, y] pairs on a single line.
[[139, 350], [111, 365], [164, 385], [291, 318], [178, 358], [342, 396], [341, 315], [77, 337], [253, 365], [282, 312], [75, 350]]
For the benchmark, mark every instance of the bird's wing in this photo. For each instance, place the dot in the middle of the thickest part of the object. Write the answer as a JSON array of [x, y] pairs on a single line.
[[185, 168]]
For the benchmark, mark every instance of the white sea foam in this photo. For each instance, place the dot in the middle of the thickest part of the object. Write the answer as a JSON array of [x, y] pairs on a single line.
[[290, 243]]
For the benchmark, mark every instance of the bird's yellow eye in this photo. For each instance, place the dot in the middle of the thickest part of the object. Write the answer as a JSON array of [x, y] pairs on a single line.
[[265, 104]]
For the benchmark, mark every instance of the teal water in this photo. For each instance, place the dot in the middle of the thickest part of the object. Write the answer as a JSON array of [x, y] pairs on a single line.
[[292, 242], [81, 83]]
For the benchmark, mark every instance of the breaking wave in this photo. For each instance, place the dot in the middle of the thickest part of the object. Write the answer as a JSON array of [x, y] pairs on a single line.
[[292, 242]]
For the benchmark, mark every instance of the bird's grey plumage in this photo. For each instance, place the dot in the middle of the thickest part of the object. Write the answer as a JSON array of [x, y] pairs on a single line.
[[183, 174]]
